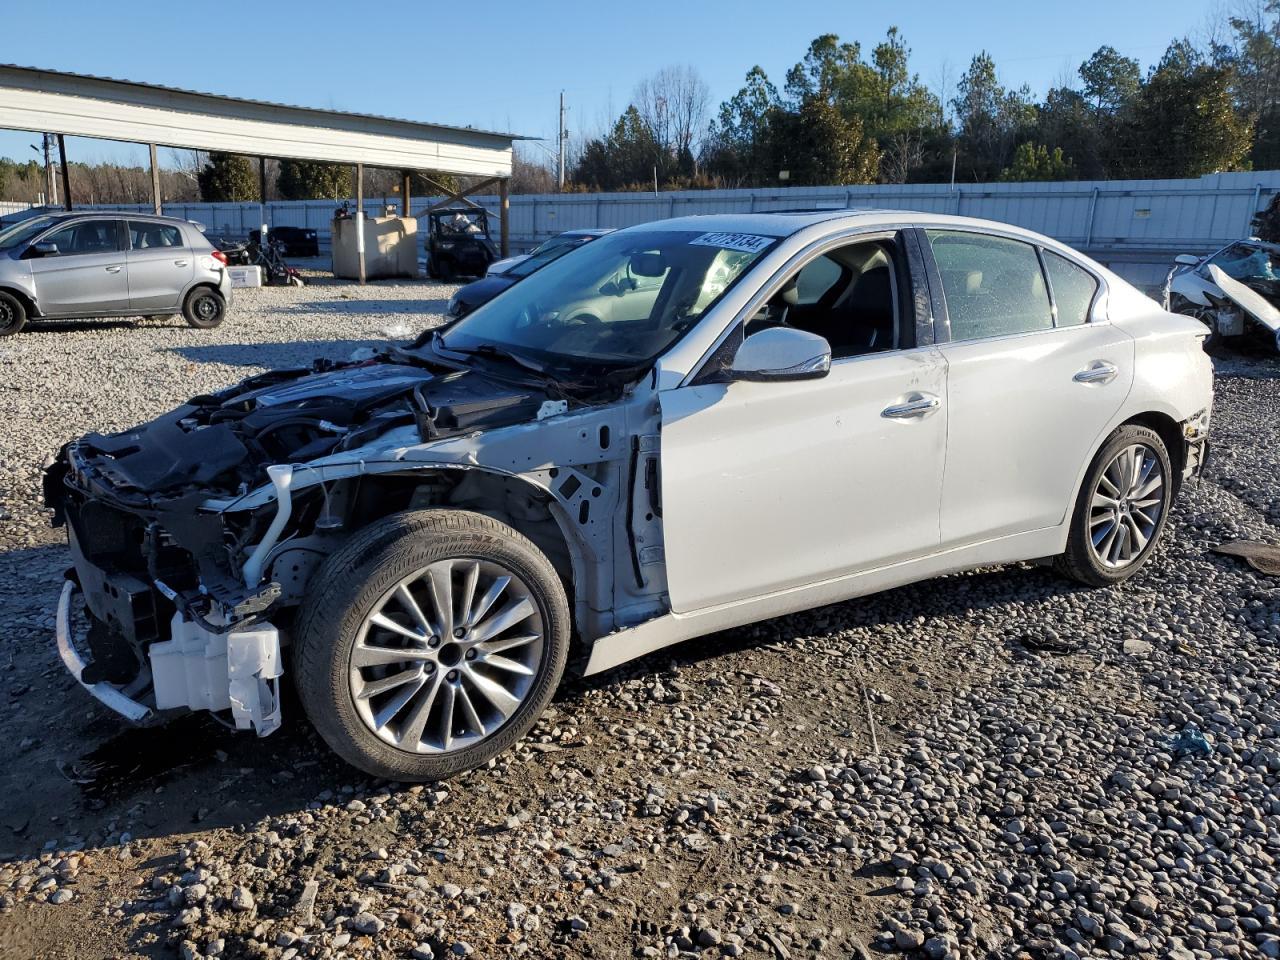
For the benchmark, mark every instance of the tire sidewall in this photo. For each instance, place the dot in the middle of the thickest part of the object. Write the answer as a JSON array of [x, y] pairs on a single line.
[[193, 318], [1080, 534], [355, 578], [13, 316]]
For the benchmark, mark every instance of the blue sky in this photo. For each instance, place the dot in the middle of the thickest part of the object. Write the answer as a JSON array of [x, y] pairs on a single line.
[[501, 65]]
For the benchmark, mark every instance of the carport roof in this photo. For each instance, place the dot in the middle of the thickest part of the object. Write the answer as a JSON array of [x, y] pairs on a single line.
[[83, 105]]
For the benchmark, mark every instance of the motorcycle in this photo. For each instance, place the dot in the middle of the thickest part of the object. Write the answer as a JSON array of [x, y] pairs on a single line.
[[270, 257]]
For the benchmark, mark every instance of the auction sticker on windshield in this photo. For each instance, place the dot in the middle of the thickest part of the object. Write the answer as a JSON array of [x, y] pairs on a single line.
[[743, 242]]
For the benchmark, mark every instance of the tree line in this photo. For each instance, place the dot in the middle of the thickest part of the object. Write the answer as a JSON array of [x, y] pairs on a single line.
[[845, 116]]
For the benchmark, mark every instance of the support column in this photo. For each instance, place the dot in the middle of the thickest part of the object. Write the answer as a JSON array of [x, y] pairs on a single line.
[[67, 174], [406, 183], [504, 216], [360, 219], [262, 202], [155, 181]]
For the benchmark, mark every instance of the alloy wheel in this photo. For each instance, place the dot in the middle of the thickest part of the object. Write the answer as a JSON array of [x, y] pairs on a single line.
[[1126, 506], [445, 658]]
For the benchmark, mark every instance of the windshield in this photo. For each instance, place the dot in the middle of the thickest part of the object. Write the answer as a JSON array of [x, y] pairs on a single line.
[[559, 240], [23, 231], [620, 300], [544, 255], [1246, 262]]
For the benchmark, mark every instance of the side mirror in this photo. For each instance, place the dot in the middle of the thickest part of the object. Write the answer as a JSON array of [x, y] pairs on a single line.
[[43, 249], [781, 353], [1187, 259]]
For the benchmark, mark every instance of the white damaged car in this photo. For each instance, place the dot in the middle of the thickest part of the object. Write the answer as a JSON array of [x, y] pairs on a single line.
[[1233, 291], [773, 412]]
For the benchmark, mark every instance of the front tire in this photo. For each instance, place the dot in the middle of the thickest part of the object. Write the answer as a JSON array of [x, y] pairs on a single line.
[[204, 308], [430, 643], [1121, 510], [13, 315]]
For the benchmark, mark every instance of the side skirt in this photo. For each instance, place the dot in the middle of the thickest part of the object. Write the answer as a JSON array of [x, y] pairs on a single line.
[[632, 642]]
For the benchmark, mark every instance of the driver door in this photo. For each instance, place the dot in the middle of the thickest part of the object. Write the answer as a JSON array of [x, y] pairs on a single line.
[[772, 485], [87, 273]]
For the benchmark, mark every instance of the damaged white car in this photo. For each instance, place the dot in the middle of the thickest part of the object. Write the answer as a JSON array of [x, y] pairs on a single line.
[[679, 428], [1233, 291]]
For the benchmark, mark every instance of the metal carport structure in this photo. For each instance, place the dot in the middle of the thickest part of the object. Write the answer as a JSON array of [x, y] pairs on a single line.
[[72, 104]]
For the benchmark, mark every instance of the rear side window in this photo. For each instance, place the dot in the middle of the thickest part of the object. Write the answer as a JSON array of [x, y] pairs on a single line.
[[93, 236], [993, 286], [1073, 289], [147, 236]]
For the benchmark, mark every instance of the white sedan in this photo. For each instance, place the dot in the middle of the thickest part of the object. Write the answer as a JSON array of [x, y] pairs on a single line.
[[679, 428]]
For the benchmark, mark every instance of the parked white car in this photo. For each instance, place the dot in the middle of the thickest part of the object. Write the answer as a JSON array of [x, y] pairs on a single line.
[[567, 239], [809, 408], [1234, 291]]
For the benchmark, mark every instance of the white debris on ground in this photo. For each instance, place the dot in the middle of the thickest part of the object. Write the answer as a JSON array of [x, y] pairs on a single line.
[[1060, 772]]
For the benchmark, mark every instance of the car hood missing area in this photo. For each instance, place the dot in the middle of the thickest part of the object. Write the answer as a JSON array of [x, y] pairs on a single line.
[[224, 441]]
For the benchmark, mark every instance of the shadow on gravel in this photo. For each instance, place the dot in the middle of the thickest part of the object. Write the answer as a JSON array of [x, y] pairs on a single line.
[[81, 326], [356, 305], [273, 355]]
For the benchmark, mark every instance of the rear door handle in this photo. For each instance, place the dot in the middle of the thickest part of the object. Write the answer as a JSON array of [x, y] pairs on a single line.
[[181, 263], [1100, 371], [113, 269], [920, 405]]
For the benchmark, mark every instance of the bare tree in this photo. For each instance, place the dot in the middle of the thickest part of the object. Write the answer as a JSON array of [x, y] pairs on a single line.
[[903, 153], [674, 104]]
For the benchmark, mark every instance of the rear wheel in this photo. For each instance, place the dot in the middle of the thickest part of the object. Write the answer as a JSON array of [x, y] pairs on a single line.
[[430, 643], [1122, 509], [13, 315], [204, 308]]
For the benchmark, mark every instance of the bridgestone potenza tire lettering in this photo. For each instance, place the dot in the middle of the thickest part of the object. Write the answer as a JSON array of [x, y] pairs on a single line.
[[353, 584]]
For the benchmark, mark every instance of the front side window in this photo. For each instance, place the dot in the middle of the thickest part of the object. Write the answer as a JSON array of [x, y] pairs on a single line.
[[848, 296], [993, 286], [619, 301], [148, 236], [92, 236], [1073, 289]]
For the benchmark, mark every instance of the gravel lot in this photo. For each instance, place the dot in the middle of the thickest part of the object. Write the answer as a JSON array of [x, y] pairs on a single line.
[[980, 766]]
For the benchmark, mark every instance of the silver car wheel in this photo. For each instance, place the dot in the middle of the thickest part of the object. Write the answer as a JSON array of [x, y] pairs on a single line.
[[1126, 506], [446, 656]]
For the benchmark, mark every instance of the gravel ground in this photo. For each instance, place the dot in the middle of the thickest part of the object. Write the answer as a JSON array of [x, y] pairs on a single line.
[[987, 766]]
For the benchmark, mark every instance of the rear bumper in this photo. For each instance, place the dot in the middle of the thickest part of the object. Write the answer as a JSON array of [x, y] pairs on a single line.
[[107, 693]]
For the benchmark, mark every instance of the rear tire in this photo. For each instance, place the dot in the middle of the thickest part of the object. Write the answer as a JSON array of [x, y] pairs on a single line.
[[1121, 510], [13, 315], [204, 308], [493, 666]]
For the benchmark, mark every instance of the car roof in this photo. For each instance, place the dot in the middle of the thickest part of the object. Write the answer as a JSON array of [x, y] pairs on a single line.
[[785, 223], [114, 215], [589, 232]]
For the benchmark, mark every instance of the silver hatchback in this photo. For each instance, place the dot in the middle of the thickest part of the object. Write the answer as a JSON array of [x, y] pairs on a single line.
[[80, 265]]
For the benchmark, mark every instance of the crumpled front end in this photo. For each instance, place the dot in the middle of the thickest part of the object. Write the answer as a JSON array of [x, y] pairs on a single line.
[[193, 536]]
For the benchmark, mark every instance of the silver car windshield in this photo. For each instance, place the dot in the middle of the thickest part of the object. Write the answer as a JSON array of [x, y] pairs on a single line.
[[23, 231], [620, 300]]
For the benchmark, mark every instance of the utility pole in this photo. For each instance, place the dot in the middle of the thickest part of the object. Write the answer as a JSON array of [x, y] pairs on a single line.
[[563, 137]]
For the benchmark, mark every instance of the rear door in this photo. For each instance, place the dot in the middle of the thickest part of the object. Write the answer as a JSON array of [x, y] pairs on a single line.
[[86, 274], [1035, 372], [160, 265]]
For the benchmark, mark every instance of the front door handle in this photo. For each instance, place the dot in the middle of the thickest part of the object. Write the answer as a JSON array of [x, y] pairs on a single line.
[[181, 263], [113, 269], [920, 405], [1100, 371]]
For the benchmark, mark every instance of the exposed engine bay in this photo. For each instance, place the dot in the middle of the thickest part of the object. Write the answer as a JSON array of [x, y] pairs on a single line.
[[194, 536]]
